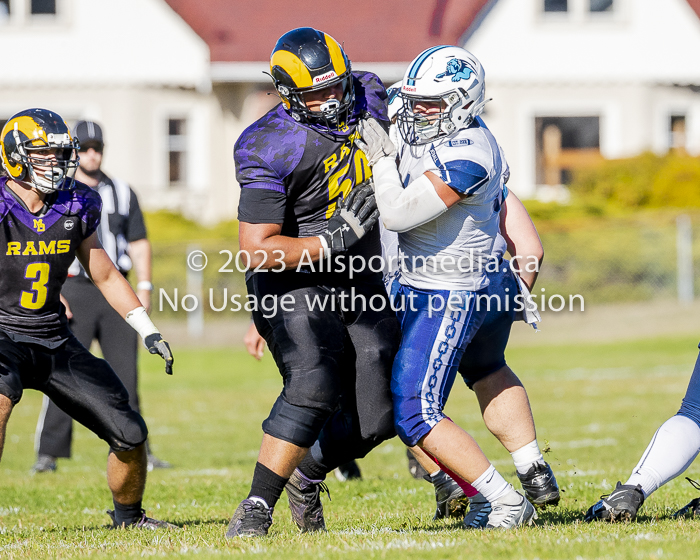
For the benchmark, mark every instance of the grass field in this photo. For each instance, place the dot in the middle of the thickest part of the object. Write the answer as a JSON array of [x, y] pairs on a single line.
[[596, 407]]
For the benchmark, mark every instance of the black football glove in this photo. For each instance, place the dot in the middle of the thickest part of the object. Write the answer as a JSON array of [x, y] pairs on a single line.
[[156, 345], [353, 218]]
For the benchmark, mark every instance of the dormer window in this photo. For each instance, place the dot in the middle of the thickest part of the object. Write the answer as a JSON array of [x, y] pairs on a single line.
[[554, 6], [43, 7], [600, 6]]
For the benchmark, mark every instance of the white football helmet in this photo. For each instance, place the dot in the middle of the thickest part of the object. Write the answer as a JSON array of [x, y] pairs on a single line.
[[448, 76]]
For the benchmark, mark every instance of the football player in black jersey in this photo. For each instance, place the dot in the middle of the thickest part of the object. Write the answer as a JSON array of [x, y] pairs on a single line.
[[305, 195], [46, 220]]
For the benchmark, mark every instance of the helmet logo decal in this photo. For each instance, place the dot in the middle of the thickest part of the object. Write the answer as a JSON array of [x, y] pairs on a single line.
[[456, 69], [325, 77], [392, 93]]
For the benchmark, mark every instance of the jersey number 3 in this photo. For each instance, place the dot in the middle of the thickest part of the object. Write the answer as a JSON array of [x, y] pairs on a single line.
[[36, 298]]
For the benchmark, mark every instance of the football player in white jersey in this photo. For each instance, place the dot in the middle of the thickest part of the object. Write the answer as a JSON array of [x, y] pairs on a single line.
[[502, 397], [444, 200]]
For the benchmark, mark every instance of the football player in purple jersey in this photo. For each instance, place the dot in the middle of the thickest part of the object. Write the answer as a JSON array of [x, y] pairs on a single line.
[[306, 207], [46, 220]]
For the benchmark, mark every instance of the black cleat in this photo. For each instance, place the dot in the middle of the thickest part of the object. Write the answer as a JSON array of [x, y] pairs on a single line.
[[44, 463], [348, 471], [449, 497], [414, 467], [540, 485], [252, 518], [620, 505], [143, 522], [478, 515], [693, 508], [305, 502]]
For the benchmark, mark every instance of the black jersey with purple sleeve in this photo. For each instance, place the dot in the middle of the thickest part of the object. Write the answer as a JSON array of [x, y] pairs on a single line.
[[36, 252], [293, 174]]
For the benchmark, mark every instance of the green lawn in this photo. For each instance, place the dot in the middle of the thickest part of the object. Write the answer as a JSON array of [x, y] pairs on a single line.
[[596, 408]]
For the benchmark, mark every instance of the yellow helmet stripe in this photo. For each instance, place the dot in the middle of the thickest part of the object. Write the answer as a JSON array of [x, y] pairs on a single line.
[[293, 66], [336, 54], [28, 126]]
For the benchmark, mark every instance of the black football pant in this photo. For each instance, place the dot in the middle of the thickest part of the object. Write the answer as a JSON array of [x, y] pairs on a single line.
[[93, 318], [81, 384], [335, 363]]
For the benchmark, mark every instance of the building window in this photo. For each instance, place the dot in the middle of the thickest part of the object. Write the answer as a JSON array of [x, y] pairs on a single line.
[[677, 132], [4, 10], [177, 151], [564, 144], [43, 7], [556, 6], [598, 6]]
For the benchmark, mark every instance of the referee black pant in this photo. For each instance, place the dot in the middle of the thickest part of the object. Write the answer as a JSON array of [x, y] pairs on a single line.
[[93, 318]]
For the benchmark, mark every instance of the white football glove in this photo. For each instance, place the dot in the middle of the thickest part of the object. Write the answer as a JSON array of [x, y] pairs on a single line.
[[375, 142]]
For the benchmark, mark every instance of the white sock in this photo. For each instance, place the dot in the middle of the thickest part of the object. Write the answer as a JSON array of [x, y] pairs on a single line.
[[671, 451], [491, 484], [524, 457]]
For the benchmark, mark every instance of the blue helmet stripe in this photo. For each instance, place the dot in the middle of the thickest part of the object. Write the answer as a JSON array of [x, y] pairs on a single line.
[[420, 60]]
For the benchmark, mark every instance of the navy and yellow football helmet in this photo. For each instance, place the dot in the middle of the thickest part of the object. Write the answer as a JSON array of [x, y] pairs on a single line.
[[304, 60], [33, 130]]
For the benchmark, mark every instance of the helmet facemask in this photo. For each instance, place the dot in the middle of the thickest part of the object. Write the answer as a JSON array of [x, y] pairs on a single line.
[[333, 114], [48, 174], [457, 111]]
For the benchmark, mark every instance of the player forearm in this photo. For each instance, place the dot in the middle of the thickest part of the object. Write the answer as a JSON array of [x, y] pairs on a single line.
[[101, 270], [522, 239], [118, 292], [404, 209], [268, 249]]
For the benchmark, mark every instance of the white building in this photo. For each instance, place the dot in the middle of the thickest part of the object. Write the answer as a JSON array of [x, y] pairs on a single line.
[[574, 80], [174, 82], [139, 70]]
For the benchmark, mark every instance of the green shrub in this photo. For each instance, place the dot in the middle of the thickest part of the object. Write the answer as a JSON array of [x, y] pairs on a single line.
[[645, 181]]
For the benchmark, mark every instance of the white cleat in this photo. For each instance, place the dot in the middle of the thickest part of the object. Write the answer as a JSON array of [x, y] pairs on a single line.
[[510, 511]]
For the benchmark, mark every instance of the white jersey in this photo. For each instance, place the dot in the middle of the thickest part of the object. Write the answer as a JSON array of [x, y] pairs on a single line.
[[452, 251], [390, 249]]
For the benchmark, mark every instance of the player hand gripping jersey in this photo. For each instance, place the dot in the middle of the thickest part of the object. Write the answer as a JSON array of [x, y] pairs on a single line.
[[303, 195], [46, 220], [445, 203]]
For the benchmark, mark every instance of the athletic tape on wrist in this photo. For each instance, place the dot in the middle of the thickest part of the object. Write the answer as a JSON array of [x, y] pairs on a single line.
[[324, 244], [140, 321]]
